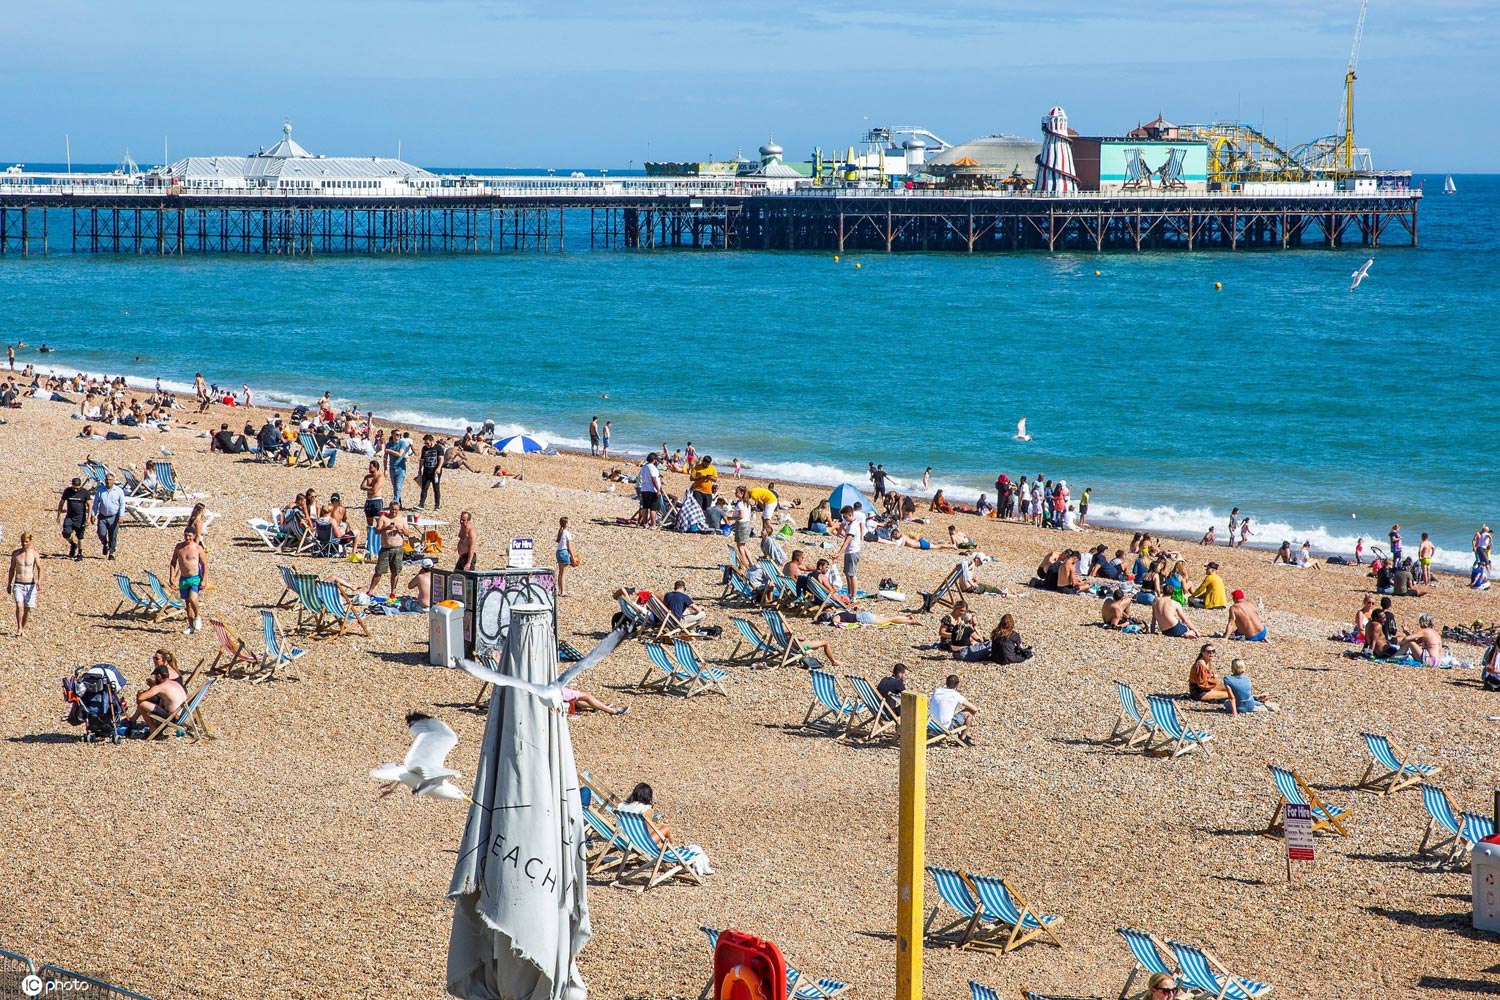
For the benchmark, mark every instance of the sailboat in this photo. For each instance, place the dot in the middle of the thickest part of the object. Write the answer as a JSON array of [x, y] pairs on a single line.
[[1448, 186]]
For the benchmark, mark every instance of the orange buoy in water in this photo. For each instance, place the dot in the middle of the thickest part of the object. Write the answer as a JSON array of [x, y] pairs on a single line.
[[1218, 286]]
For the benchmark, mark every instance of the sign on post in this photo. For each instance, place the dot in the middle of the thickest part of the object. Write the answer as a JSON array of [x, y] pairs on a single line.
[[1299, 835], [522, 555]]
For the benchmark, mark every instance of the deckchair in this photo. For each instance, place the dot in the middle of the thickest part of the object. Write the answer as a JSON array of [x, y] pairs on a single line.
[[1397, 775], [658, 862], [267, 532], [759, 651], [167, 480], [667, 625], [604, 846], [165, 602], [660, 662], [312, 455], [788, 646], [954, 890], [1146, 950], [278, 652], [802, 987], [821, 599], [139, 606], [978, 991], [1176, 739], [837, 714], [1294, 790], [703, 678], [306, 586], [737, 585], [1464, 829], [340, 615], [1202, 971], [95, 472], [635, 619], [189, 718], [232, 650], [567, 653], [783, 590], [940, 734], [1131, 729], [1001, 902], [944, 594], [879, 717], [131, 483], [288, 596]]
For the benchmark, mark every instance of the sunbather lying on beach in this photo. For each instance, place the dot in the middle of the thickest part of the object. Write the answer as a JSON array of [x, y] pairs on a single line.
[[897, 537]]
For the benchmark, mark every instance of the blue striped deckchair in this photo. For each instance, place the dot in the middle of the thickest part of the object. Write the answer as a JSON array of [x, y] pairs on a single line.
[[1294, 790], [340, 615], [667, 624], [1397, 775], [1131, 729], [801, 987], [566, 653], [834, 707], [939, 734], [312, 455], [1202, 972], [879, 717], [1176, 738], [131, 483], [95, 472], [658, 862], [1146, 950], [139, 606], [167, 480], [278, 654], [634, 617], [1464, 829], [166, 604], [978, 991], [1002, 903], [954, 890], [311, 609], [821, 599], [605, 847], [736, 585], [288, 596], [787, 646], [759, 651], [703, 678], [659, 662], [780, 591], [188, 719], [945, 594]]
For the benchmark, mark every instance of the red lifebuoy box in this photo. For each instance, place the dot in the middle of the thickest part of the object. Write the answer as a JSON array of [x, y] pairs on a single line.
[[748, 968]]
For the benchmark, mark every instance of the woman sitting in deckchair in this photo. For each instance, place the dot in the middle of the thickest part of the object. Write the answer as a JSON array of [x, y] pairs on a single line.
[[940, 503]]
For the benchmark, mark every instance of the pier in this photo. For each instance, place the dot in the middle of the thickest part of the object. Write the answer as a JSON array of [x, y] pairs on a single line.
[[115, 214]]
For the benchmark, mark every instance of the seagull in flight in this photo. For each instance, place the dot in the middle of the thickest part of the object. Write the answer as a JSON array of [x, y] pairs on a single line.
[[550, 694], [425, 769], [1361, 274], [1021, 434]]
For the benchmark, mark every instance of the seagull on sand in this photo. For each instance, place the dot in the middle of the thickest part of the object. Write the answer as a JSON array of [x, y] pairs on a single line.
[[1021, 434], [424, 770], [551, 694], [1361, 274]]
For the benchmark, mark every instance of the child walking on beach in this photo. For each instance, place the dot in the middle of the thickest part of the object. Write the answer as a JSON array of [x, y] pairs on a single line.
[[565, 554]]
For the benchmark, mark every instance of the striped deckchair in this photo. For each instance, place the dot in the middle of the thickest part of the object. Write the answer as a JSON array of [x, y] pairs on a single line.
[[312, 455], [879, 718], [1147, 952], [978, 991], [1131, 729], [311, 609], [278, 652], [167, 479], [1464, 829], [1294, 790], [703, 678], [737, 585], [1397, 775], [1002, 903], [836, 714], [954, 889], [636, 620], [821, 598], [662, 672], [189, 718], [940, 734], [655, 861], [667, 624], [566, 653], [339, 615], [232, 651], [945, 594], [1177, 739], [788, 647], [758, 651], [95, 473], [166, 604], [1203, 972], [604, 847], [139, 606], [288, 598]]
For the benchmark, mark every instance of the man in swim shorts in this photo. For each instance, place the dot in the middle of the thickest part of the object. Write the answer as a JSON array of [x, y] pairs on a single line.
[[24, 580], [186, 568], [1425, 552], [1244, 620], [1171, 620], [391, 527]]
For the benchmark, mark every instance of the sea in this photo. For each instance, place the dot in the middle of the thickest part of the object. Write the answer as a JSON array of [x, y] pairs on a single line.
[[1175, 385]]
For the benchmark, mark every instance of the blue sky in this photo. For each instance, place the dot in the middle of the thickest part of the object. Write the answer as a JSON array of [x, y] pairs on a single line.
[[524, 83]]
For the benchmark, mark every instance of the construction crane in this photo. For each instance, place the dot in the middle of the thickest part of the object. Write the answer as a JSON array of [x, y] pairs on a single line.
[[1346, 116]]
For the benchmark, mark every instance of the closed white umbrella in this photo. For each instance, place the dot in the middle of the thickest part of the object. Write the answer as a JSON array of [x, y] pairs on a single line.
[[521, 913]]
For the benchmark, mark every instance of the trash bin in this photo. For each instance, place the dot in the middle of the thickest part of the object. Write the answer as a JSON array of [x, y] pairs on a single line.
[[1486, 865], [445, 633]]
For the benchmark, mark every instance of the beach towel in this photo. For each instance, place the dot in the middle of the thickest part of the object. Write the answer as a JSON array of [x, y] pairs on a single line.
[[690, 515]]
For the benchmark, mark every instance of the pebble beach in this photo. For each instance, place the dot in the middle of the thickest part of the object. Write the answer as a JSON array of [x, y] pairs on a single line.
[[263, 863]]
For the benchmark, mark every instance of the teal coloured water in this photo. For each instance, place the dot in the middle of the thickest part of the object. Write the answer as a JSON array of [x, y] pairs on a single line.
[[1285, 394]]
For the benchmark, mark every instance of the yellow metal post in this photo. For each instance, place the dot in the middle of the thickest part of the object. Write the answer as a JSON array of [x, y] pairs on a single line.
[[912, 851]]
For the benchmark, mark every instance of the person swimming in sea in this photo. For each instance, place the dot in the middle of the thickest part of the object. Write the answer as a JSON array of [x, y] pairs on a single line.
[[44, 349]]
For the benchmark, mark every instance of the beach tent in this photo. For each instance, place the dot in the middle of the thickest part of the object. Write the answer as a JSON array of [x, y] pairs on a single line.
[[520, 886], [847, 495]]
